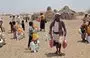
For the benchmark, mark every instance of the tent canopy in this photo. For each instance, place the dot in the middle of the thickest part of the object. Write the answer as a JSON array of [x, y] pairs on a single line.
[[66, 9]]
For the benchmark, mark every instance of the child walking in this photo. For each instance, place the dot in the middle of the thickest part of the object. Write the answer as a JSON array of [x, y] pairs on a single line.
[[30, 32]]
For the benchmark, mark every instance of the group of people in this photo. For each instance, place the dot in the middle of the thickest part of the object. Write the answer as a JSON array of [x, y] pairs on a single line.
[[17, 28], [57, 31], [33, 43], [85, 29]]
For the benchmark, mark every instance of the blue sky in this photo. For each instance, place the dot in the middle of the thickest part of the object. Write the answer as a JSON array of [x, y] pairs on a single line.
[[40, 5]]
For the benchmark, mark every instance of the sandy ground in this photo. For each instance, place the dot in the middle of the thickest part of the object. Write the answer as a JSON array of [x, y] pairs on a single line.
[[18, 49]]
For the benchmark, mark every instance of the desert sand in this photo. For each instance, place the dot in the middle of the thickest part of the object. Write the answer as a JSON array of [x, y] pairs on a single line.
[[18, 48]]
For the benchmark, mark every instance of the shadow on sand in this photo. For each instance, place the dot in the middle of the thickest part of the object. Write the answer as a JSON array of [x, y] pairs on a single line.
[[27, 50], [80, 41], [53, 54]]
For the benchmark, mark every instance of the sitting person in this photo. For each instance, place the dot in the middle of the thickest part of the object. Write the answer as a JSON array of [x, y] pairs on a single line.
[[83, 31], [2, 39], [1, 23], [34, 45], [88, 32], [20, 33]]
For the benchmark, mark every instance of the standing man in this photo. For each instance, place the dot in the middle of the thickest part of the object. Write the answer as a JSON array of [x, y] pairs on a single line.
[[18, 19], [57, 32], [13, 18]]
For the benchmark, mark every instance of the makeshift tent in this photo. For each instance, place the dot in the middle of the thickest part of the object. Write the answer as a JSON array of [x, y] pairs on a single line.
[[67, 13], [49, 14]]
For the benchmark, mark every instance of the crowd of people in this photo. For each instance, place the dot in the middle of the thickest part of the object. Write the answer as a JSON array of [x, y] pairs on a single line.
[[57, 31], [17, 28]]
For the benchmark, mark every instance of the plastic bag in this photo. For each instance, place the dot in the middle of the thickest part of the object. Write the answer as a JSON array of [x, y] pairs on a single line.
[[51, 43], [64, 43]]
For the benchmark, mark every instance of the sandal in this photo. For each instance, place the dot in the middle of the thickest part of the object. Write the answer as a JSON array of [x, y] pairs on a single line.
[[56, 52], [61, 54]]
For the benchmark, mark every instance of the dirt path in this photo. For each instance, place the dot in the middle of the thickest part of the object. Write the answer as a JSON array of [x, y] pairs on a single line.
[[17, 49]]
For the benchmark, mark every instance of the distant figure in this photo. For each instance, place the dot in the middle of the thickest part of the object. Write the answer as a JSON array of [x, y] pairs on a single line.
[[20, 33], [14, 30], [30, 33], [13, 18], [26, 18], [23, 25], [10, 18], [42, 22], [1, 22], [86, 18], [57, 32], [18, 19], [11, 25]]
